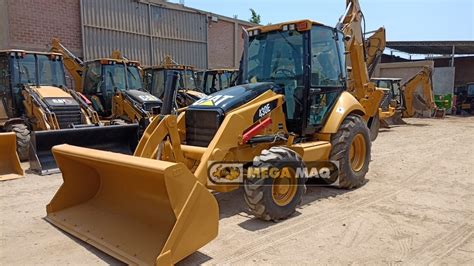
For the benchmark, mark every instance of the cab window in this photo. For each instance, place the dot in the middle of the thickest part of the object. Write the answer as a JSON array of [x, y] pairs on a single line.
[[92, 79], [27, 69], [278, 57], [327, 74], [325, 63], [51, 71], [115, 77]]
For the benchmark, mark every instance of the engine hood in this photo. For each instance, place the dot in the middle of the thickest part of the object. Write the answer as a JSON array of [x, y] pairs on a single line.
[[233, 97], [55, 97], [51, 92], [142, 97]]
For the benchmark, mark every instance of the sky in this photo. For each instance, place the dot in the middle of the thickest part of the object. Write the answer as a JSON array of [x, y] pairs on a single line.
[[404, 20]]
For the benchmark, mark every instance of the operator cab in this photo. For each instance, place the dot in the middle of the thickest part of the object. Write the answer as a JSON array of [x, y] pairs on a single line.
[[393, 85], [217, 79], [156, 79], [21, 68], [104, 77], [306, 60], [186, 85]]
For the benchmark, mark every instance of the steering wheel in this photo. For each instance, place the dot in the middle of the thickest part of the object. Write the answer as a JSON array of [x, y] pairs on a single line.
[[286, 72]]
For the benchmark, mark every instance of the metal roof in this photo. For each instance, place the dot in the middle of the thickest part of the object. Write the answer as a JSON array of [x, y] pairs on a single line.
[[433, 47]]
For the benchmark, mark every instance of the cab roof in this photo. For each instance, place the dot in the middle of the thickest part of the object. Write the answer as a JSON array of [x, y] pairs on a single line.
[[391, 79], [29, 52], [106, 59], [300, 25], [173, 67]]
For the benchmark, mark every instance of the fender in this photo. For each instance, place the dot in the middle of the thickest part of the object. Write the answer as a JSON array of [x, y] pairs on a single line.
[[345, 105]]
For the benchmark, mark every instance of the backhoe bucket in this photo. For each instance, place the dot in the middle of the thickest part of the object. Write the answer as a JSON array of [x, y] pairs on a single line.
[[119, 138], [141, 211], [10, 167]]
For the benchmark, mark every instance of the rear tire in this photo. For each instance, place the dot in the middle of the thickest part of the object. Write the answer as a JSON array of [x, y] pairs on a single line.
[[351, 147], [22, 140], [275, 198]]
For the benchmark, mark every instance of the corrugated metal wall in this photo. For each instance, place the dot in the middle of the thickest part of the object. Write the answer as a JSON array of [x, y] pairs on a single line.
[[143, 32]]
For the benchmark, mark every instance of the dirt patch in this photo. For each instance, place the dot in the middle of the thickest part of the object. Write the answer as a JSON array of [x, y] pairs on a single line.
[[416, 208]]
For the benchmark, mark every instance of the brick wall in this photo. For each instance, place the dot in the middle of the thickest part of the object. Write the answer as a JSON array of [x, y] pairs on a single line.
[[221, 44], [32, 24]]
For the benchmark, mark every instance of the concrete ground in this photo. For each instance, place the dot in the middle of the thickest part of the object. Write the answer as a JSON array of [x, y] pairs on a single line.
[[416, 208]]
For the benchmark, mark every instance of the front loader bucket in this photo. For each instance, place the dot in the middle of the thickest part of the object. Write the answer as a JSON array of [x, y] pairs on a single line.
[[141, 211], [395, 119], [10, 167], [120, 138]]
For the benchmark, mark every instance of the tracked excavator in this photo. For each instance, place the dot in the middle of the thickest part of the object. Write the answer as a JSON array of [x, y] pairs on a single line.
[[414, 95], [187, 91], [38, 107], [297, 111]]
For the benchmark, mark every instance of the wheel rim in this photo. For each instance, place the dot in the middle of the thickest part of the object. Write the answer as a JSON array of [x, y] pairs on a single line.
[[357, 153], [284, 189]]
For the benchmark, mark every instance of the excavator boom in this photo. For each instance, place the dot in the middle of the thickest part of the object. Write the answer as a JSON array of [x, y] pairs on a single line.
[[359, 83], [414, 100], [374, 46], [73, 64]]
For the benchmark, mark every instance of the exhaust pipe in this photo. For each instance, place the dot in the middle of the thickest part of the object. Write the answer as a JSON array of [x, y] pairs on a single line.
[[171, 89]]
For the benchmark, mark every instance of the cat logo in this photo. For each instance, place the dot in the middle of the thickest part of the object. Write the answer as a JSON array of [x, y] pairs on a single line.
[[226, 173], [213, 100]]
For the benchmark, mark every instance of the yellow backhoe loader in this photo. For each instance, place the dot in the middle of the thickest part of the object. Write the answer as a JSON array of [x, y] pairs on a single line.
[[10, 167], [155, 207], [38, 107], [187, 91], [414, 95], [112, 86]]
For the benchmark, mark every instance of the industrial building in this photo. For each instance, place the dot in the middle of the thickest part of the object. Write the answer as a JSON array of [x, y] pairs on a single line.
[[144, 30]]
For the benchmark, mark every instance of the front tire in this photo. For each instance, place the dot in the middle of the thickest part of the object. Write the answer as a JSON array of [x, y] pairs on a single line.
[[275, 198], [351, 148], [22, 140]]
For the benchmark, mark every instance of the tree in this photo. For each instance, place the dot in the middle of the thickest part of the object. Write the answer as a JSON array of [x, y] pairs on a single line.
[[255, 17]]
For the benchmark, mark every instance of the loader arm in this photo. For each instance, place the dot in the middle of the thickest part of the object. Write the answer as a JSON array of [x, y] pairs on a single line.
[[73, 64], [91, 115], [374, 47], [358, 82], [35, 107], [125, 106], [423, 79]]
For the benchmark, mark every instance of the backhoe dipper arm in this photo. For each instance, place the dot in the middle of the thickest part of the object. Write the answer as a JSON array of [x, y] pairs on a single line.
[[423, 78], [374, 47], [359, 82], [73, 64]]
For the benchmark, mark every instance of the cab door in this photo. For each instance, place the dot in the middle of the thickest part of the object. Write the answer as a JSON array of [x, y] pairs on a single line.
[[327, 75]]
